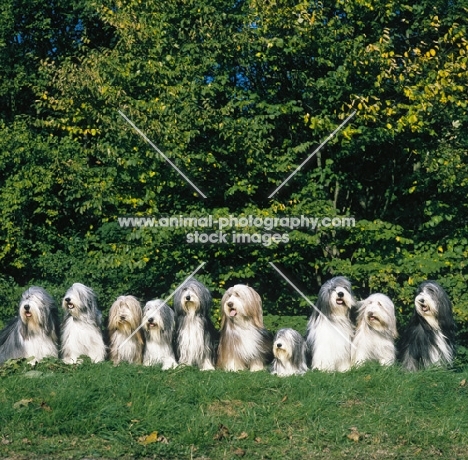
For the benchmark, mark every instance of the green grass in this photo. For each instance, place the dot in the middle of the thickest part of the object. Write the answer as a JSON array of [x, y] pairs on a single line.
[[101, 411]]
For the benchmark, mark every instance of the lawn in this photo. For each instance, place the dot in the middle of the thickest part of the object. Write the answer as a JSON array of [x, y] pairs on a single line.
[[101, 411]]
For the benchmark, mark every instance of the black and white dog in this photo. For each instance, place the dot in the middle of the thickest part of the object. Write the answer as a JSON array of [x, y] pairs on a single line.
[[429, 339], [81, 326], [34, 332], [289, 350], [195, 338], [330, 331]]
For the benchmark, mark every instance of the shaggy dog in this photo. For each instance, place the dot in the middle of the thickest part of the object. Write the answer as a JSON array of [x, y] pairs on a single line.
[[34, 332], [374, 339], [126, 337], [244, 342], [330, 331], [429, 339], [81, 326], [289, 350], [159, 333], [195, 334]]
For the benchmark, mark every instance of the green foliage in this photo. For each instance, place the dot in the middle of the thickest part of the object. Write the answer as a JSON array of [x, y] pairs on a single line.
[[237, 96]]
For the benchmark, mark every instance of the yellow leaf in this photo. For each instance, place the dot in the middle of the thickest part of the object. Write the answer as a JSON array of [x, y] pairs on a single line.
[[432, 52], [150, 439], [22, 403]]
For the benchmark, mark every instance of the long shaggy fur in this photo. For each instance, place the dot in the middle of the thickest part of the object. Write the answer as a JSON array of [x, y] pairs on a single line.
[[195, 336], [376, 331], [289, 350], [244, 342], [125, 316], [429, 339], [81, 326], [34, 332], [330, 331], [159, 333]]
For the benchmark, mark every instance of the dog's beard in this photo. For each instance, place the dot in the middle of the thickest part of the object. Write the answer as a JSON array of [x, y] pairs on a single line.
[[190, 302], [341, 301], [32, 317], [427, 309], [234, 310], [375, 318], [281, 353], [72, 307]]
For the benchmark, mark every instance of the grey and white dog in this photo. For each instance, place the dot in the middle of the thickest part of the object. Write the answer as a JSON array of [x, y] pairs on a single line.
[[34, 332]]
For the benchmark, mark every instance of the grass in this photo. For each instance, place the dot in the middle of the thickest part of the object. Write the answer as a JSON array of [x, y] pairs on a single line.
[[101, 411]]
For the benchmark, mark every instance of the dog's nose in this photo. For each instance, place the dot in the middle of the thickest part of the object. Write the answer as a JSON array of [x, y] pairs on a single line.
[[187, 297], [340, 294], [122, 317], [421, 299], [150, 320], [67, 299], [279, 345], [27, 307], [230, 304]]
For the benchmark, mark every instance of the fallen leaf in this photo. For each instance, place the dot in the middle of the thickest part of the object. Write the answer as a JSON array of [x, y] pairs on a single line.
[[149, 439], [223, 432], [258, 440], [239, 452], [163, 440], [285, 398], [354, 435], [243, 435], [5, 441], [22, 403], [463, 383], [45, 406]]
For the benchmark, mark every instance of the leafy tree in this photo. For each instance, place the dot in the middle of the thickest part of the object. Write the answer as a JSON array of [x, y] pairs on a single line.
[[238, 96]]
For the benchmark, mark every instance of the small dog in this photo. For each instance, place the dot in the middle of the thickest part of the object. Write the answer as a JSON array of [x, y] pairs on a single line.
[[195, 334], [289, 350], [330, 331], [125, 334], [429, 339], [244, 342], [159, 332], [376, 331], [81, 326], [34, 332]]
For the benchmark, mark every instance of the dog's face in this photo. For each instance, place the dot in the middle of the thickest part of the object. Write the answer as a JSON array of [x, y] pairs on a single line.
[[35, 308], [241, 303], [433, 304], [283, 346], [125, 314], [378, 312], [79, 300], [336, 297], [426, 302], [190, 299], [153, 314]]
